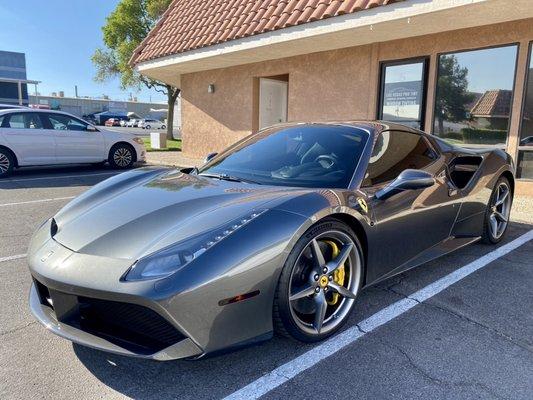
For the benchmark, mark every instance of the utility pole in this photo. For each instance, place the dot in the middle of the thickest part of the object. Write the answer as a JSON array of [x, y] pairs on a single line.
[[76, 90]]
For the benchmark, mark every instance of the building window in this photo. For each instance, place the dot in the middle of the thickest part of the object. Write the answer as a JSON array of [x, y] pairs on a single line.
[[474, 96], [525, 149], [403, 92]]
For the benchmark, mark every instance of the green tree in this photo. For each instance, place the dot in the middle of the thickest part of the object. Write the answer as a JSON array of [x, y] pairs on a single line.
[[452, 92], [124, 30]]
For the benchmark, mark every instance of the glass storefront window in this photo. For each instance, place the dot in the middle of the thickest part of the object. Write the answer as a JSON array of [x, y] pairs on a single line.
[[474, 96], [525, 153], [403, 92]]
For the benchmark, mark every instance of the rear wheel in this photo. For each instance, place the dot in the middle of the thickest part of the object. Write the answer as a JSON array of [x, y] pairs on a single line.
[[163, 127], [498, 212], [122, 156], [319, 283], [7, 163], [148, 127]]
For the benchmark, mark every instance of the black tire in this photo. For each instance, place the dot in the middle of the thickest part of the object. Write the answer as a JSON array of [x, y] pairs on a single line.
[[148, 127], [163, 127], [488, 236], [284, 322], [122, 156], [7, 163]]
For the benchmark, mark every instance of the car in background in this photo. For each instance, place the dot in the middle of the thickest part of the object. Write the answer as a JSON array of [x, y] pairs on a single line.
[[112, 122], [527, 141], [132, 123], [31, 137], [102, 117], [151, 124]]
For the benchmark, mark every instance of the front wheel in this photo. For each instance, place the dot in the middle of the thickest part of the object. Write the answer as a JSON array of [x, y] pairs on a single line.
[[148, 127], [163, 127], [319, 282], [498, 212], [122, 156]]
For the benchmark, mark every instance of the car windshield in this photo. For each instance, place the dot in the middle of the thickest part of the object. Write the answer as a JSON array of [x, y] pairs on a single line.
[[316, 156]]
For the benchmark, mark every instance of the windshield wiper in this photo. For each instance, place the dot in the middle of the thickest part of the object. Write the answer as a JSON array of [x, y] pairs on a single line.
[[230, 178]]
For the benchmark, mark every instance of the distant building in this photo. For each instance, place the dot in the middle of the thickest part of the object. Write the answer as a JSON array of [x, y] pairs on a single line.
[[13, 69], [492, 109]]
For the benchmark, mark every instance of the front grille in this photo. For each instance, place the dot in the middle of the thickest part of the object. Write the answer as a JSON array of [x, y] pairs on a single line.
[[130, 326], [127, 323]]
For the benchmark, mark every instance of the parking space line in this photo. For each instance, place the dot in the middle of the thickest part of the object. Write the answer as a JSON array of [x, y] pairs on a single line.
[[289, 370], [12, 258], [37, 201], [60, 177]]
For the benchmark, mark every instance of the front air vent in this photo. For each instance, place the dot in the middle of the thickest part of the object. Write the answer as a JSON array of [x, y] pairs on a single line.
[[53, 228]]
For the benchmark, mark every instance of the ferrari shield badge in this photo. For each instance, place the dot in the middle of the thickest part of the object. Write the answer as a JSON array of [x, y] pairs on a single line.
[[362, 204]]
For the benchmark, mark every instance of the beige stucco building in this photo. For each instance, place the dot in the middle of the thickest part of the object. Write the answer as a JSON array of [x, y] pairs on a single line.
[[433, 64]]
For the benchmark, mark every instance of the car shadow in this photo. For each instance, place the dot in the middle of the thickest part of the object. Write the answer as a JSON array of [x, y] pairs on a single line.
[[221, 375]]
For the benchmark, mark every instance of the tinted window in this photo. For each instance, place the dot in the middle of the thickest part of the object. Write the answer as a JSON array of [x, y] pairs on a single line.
[[63, 122], [394, 152], [305, 156], [22, 121], [474, 96], [402, 96]]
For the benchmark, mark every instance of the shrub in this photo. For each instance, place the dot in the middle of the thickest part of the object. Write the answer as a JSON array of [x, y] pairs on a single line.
[[483, 136]]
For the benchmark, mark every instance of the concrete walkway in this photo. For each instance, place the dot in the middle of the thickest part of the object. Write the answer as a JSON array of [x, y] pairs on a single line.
[[172, 158]]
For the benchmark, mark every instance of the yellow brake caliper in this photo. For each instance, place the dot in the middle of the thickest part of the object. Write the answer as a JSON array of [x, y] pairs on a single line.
[[338, 275]]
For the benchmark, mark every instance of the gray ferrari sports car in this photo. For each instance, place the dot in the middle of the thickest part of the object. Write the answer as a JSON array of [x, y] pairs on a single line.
[[279, 233]]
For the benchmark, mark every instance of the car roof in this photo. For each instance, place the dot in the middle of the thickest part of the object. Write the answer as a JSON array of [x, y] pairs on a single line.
[[12, 106], [34, 110]]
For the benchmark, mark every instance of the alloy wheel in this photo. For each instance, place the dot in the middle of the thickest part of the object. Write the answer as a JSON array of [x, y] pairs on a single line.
[[324, 282], [500, 209], [4, 164], [122, 157]]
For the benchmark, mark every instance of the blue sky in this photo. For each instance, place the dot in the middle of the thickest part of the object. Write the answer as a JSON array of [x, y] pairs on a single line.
[[59, 37]]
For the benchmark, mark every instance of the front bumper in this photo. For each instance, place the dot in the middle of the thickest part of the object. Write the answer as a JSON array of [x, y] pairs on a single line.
[[69, 321], [74, 296]]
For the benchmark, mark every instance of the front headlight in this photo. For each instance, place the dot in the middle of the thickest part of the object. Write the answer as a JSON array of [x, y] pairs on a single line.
[[175, 257], [138, 140]]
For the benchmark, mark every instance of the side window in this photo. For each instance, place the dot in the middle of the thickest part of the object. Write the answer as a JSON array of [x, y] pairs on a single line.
[[62, 122], [394, 152], [22, 121]]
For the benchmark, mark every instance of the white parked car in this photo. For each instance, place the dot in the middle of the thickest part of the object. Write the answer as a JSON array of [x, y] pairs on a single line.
[[132, 123], [44, 137], [151, 124], [123, 123]]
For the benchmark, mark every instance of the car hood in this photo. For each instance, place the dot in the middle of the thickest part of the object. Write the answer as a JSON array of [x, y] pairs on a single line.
[[142, 211], [115, 135]]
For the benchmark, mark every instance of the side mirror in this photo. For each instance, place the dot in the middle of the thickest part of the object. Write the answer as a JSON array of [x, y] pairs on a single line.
[[410, 179], [210, 156], [91, 128]]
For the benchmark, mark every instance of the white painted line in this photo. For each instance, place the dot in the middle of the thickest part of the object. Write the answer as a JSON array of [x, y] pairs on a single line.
[[11, 258], [36, 201], [59, 177], [287, 371]]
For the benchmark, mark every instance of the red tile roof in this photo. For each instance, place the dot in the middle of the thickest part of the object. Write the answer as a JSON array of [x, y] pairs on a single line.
[[192, 24], [493, 103]]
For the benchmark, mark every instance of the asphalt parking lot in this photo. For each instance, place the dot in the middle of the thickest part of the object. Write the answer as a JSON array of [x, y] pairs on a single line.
[[460, 327]]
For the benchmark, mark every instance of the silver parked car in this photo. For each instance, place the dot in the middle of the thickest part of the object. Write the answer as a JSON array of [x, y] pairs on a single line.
[[280, 233]]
